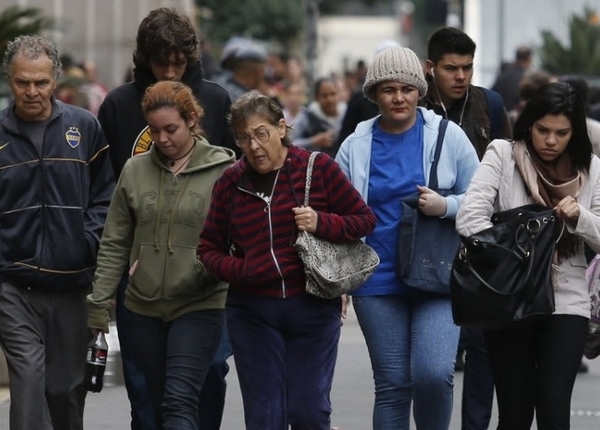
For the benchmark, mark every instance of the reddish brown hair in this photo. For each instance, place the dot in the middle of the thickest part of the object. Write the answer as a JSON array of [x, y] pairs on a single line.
[[175, 95]]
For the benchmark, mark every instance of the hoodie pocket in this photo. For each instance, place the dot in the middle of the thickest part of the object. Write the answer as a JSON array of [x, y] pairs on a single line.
[[147, 278], [185, 276]]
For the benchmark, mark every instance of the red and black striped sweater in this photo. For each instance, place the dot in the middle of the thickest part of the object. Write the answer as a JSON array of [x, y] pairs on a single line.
[[249, 242]]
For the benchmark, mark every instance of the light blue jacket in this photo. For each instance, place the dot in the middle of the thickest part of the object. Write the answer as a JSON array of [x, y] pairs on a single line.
[[457, 164]]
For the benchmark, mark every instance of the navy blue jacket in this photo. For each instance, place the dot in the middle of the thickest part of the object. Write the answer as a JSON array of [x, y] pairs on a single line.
[[53, 207]]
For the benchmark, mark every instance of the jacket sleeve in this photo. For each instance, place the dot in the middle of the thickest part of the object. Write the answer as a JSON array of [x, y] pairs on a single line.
[[343, 158], [588, 224], [213, 247], [477, 207], [113, 257], [348, 216], [464, 164], [100, 190]]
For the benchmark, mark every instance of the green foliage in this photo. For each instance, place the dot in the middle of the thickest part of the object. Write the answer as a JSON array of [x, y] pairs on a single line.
[[583, 54], [17, 20], [269, 20]]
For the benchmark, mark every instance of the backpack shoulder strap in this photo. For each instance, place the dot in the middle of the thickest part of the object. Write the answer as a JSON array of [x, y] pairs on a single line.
[[495, 112]]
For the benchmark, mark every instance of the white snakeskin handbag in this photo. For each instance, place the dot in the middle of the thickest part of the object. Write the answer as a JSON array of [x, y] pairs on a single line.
[[333, 269]]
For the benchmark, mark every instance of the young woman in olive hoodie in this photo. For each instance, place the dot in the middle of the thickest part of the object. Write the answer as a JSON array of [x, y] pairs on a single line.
[[157, 212]]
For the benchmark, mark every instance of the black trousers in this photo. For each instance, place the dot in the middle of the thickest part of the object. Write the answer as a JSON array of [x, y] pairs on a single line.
[[478, 383], [534, 369]]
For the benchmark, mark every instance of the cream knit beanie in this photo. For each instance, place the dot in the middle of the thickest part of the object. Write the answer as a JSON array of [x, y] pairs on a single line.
[[395, 64]]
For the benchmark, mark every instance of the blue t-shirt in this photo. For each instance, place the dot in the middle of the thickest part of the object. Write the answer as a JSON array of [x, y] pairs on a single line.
[[396, 170]]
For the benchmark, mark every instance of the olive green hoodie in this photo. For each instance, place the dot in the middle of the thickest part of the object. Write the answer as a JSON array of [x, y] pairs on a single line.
[[153, 225]]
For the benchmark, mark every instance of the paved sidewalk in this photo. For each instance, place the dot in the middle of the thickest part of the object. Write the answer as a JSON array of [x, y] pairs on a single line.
[[352, 395]]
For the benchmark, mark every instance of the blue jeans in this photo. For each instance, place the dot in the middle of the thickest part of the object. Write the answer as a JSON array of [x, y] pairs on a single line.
[[285, 352], [174, 358], [412, 343]]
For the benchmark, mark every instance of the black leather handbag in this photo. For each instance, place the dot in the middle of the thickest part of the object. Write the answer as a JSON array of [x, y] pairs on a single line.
[[502, 275]]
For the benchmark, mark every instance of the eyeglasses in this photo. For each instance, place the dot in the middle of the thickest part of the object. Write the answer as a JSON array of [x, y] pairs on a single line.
[[261, 135]]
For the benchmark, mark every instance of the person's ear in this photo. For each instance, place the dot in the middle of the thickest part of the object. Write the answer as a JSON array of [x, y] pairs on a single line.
[[282, 128], [429, 66], [192, 120]]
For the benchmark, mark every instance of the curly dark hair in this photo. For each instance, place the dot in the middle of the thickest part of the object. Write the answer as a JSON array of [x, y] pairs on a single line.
[[163, 31], [31, 46]]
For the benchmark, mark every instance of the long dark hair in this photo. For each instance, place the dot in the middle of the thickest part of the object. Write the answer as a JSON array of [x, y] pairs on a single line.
[[558, 98]]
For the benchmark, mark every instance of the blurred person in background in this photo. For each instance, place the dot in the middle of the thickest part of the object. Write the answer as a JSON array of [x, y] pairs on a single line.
[[508, 80], [359, 107], [583, 89], [167, 48], [95, 90], [317, 126], [529, 85], [210, 65], [292, 99], [276, 73], [595, 102], [244, 63], [71, 82], [295, 70]]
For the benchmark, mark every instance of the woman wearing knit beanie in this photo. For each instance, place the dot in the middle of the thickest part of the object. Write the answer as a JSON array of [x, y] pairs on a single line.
[[407, 324]]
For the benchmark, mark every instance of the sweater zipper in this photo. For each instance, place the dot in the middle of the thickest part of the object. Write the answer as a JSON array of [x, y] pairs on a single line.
[[268, 210], [43, 203]]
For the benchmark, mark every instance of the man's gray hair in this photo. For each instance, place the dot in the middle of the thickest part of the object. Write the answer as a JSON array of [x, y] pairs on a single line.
[[31, 46]]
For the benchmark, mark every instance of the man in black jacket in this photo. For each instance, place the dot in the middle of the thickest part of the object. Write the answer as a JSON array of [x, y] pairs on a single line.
[[167, 48]]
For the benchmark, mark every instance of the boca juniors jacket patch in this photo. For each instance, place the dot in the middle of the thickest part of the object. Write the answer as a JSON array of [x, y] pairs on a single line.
[[73, 137]]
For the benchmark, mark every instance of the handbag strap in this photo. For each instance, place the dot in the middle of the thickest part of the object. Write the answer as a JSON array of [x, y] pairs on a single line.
[[433, 179], [309, 168]]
